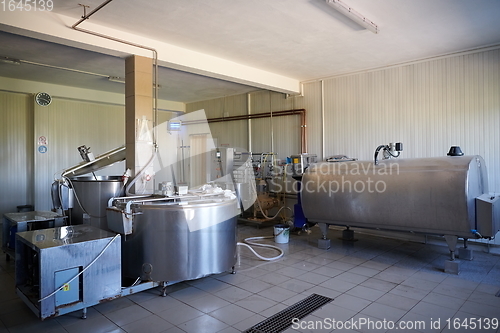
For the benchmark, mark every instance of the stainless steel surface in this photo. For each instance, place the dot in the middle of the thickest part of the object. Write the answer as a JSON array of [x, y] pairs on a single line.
[[488, 214], [93, 194], [42, 256], [101, 161], [17, 222], [180, 241], [427, 195]]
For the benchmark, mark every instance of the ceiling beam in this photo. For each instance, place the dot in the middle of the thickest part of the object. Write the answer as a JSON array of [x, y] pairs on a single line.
[[56, 28]]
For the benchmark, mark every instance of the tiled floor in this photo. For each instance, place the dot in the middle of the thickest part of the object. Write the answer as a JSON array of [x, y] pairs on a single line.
[[371, 280]]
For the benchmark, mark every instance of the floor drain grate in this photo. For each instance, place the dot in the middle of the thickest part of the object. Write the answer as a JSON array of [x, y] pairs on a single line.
[[283, 319]]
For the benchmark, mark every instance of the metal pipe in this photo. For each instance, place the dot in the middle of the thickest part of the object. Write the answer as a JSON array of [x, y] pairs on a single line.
[[301, 112], [323, 120], [249, 123], [271, 120], [155, 61]]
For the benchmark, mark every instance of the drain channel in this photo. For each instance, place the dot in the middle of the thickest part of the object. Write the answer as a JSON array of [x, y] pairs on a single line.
[[283, 319]]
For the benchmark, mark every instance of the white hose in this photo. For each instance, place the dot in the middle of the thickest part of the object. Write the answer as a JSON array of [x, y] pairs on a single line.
[[249, 241]]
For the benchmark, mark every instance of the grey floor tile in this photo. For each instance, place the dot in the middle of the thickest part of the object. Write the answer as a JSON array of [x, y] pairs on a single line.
[[296, 285], [433, 311], [230, 329], [486, 298], [207, 303], [400, 302], [174, 329], [481, 309], [420, 283], [382, 311], [274, 278], [364, 271], [338, 285], [256, 303], [232, 314], [334, 311], [277, 293], [180, 314], [160, 304], [343, 266], [312, 277], [249, 322], [233, 294], [128, 315], [204, 323], [378, 284], [274, 310], [114, 305], [37, 326], [448, 290], [410, 292], [320, 261], [352, 277], [327, 292], [188, 293], [151, 324], [291, 272], [444, 300], [254, 285], [98, 324], [211, 285], [351, 302], [366, 293], [328, 271]]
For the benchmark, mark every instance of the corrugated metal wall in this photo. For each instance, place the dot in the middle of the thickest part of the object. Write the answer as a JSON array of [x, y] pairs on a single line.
[[68, 124], [16, 153], [428, 106]]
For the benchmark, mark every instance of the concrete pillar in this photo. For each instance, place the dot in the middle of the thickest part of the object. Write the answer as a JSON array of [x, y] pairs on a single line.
[[139, 122]]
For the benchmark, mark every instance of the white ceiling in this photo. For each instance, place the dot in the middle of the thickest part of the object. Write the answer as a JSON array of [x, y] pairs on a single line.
[[300, 39]]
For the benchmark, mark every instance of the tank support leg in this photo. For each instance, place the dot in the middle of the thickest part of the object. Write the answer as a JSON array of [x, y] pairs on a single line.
[[84, 313], [323, 242], [348, 235], [465, 253], [164, 288], [451, 266]]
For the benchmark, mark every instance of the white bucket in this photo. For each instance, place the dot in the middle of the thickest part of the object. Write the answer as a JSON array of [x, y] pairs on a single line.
[[281, 233]]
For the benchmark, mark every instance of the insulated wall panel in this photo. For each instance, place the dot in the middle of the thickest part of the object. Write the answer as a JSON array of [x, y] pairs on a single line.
[[66, 125], [16, 153], [429, 106]]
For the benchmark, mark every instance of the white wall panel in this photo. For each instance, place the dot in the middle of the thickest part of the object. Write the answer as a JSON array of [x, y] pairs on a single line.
[[16, 152], [429, 106], [67, 125]]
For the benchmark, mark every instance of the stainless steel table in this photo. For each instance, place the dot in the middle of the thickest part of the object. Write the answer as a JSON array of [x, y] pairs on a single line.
[[26, 221]]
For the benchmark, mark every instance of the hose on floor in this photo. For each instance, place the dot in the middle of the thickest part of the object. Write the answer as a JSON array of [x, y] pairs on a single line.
[[248, 242]]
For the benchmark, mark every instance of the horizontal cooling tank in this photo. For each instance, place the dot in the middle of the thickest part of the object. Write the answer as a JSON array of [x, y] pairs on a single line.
[[427, 195]]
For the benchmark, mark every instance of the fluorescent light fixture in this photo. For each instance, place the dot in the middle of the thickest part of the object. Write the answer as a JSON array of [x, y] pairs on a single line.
[[7, 60], [353, 15], [174, 125]]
